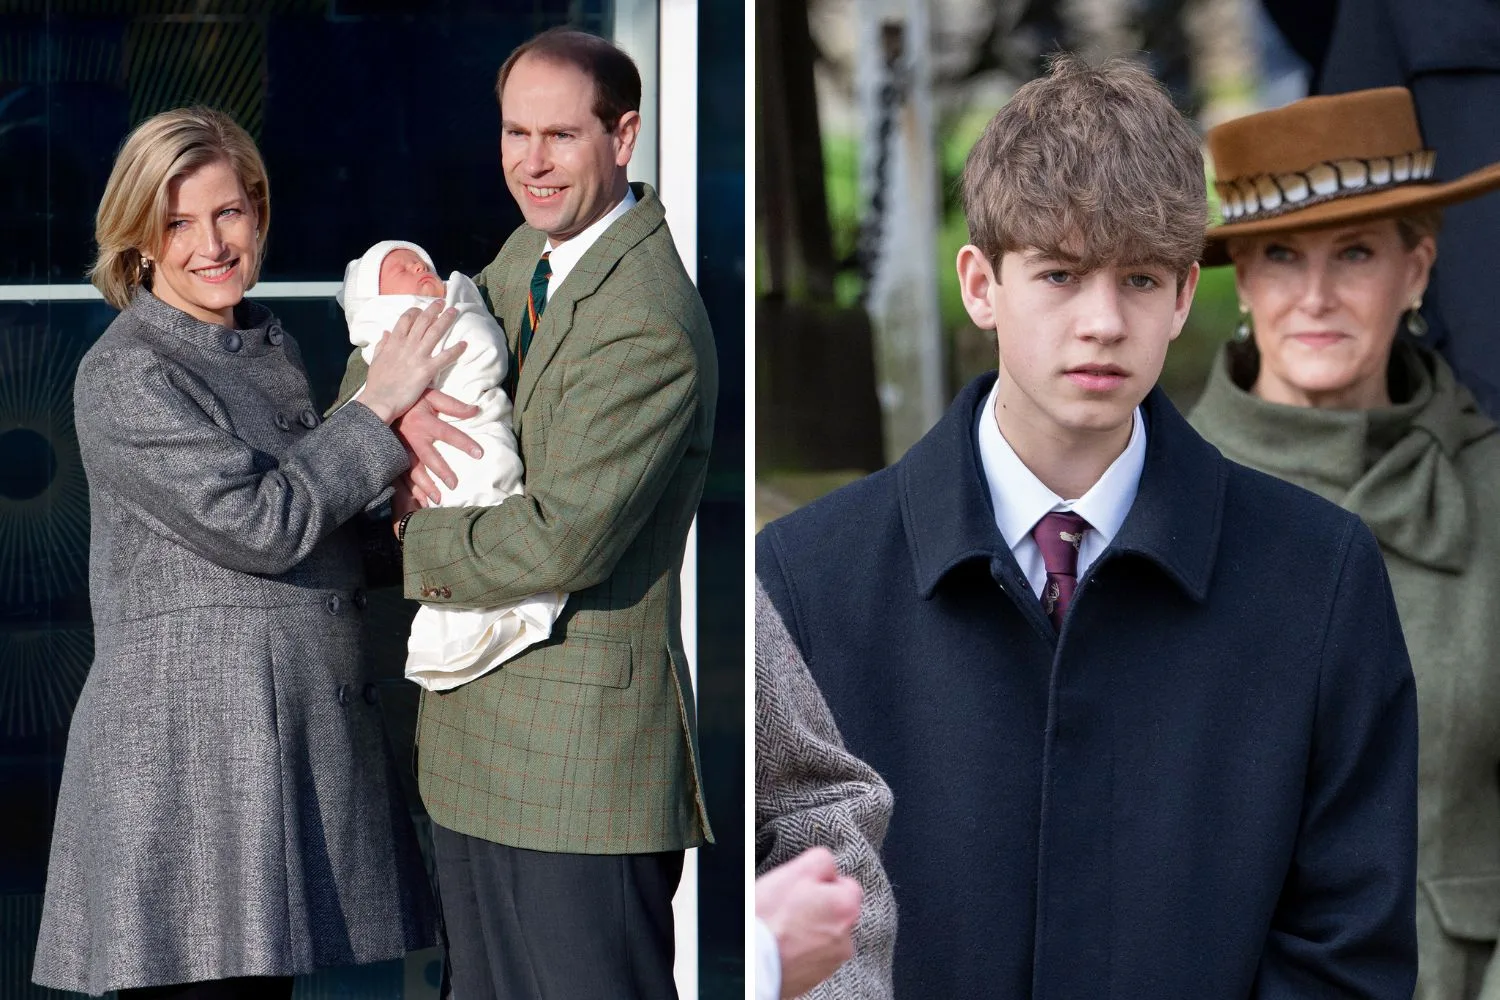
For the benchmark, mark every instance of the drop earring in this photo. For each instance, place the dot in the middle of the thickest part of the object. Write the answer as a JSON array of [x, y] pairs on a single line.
[[1415, 324], [1246, 328]]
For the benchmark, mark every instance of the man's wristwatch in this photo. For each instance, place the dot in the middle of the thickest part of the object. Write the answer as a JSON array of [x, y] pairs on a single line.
[[401, 527]]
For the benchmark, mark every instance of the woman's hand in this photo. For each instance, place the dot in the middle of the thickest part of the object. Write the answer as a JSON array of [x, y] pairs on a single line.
[[404, 365]]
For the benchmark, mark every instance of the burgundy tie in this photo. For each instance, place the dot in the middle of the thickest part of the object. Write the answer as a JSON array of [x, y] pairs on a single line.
[[1058, 535]]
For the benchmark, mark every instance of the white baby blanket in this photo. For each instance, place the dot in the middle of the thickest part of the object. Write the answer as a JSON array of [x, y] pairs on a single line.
[[452, 646]]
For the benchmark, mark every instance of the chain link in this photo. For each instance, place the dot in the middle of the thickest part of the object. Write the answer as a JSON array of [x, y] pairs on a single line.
[[893, 94]]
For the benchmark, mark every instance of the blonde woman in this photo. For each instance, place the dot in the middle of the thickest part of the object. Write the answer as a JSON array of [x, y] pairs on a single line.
[[229, 814], [1330, 217]]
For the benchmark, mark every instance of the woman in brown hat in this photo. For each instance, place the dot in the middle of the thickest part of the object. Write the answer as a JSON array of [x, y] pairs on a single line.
[[1330, 217]]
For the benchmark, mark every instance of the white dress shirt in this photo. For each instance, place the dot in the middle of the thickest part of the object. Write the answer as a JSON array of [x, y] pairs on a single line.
[[767, 963], [1020, 499], [571, 252]]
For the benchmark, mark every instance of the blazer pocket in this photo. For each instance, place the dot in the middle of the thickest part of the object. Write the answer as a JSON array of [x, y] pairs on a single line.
[[601, 660], [1467, 906]]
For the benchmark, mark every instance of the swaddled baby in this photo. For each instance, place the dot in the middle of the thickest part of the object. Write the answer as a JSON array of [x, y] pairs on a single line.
[[451, 646]]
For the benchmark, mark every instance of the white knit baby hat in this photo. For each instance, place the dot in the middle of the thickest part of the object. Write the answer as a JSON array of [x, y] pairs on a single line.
[[362, 276]]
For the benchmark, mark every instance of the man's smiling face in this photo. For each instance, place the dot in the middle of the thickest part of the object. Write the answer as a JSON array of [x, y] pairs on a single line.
[[563, 167]]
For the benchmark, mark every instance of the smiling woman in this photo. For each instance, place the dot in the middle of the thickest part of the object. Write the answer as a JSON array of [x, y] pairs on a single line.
[[187, 195], [212, 251], [225, 757]]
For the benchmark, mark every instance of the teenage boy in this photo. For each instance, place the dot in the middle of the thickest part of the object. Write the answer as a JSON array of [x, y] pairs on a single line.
[[1148, 714]]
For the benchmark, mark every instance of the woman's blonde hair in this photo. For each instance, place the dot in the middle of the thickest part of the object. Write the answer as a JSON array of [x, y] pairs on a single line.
[[132, 215]]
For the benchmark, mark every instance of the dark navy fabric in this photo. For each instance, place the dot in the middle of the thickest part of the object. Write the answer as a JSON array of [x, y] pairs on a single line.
[[1205, 787], [1448, 55]]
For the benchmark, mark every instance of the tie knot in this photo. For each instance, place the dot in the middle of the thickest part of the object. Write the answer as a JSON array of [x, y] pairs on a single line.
[[1058, 535], [543, 268]]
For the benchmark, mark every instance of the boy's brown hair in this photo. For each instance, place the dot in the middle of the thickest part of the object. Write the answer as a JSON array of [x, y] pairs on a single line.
[[1091, 165]]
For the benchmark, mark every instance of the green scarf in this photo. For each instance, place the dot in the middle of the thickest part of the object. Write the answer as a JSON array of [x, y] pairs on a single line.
[[1393, 466]]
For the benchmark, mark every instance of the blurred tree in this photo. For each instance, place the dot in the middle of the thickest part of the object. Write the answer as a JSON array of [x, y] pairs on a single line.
[[791, 206], [814, 372]]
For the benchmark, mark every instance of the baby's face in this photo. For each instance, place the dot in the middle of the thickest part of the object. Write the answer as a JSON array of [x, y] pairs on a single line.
[[403, 273]]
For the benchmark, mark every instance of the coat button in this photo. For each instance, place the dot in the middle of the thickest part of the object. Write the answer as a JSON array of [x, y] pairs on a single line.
[[282, 422], [444, 593], [232, 341], [360, 600], [429, 591], [334, 604], [372, 694], [273, 335], [345, 696], [309, 418]]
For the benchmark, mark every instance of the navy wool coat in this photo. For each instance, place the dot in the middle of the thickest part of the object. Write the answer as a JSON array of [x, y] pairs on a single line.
[[1204, 788]]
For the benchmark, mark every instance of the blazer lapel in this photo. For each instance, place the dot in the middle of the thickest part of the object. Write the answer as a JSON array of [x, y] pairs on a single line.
[[510, 298], [583, 281]]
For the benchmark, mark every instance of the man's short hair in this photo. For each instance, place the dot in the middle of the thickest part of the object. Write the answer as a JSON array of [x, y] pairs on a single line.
[[1089, 164], [617, 81]]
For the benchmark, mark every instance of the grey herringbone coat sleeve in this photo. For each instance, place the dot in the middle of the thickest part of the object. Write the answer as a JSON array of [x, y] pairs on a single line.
[[213, 493], [810, 791]]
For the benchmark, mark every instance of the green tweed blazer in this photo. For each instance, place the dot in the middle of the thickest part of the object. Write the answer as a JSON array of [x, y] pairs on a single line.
[[586, 744]]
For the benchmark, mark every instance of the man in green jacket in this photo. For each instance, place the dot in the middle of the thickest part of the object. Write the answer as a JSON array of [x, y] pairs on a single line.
[[564, 786]]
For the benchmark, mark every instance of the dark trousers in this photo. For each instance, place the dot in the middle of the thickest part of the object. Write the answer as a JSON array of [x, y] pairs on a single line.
[[240, 988], [534, 925]]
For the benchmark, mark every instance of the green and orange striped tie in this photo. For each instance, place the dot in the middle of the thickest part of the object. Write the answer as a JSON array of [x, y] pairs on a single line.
[[536, 304]]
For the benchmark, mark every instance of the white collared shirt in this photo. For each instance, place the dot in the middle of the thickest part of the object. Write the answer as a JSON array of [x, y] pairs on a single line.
[[563, 258], [1020, 499], [767, 963]]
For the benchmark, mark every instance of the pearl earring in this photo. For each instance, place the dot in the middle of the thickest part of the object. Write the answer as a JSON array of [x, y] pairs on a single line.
[[1246, 328], [1415, 324]]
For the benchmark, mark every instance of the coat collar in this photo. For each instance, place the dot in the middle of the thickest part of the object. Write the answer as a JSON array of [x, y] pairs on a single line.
[[1395, 466], [584, 280], [1174, 522], [256, 332]]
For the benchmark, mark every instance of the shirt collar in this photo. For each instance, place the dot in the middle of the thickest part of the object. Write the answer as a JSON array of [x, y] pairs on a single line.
[[1020, 499], [563, 258], [1174, 522]]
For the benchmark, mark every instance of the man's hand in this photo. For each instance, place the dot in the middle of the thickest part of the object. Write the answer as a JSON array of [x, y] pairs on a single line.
[[421, 426], [811, 909]]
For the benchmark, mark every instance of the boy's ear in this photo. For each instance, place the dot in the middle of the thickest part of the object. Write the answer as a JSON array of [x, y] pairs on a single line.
[[1185, 299], [975, 276]]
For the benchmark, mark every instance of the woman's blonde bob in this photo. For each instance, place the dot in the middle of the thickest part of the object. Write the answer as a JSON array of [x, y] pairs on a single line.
[[132, 219]]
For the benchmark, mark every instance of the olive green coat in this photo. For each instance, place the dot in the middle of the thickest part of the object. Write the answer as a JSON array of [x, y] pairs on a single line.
[[1424, 474], [586, 743]]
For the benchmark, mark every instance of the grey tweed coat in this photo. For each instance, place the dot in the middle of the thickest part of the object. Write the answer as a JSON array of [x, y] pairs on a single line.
[[229, 805], [811, 791]]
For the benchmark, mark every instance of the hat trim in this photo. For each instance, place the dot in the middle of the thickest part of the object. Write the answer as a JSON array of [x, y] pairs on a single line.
[[1267, 196]]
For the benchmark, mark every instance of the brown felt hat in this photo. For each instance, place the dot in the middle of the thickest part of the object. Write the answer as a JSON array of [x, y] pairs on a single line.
[[1325, 161]]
